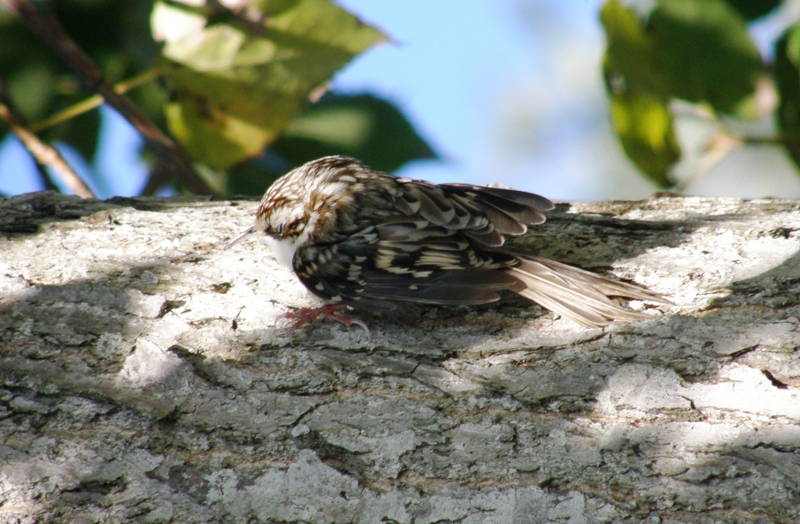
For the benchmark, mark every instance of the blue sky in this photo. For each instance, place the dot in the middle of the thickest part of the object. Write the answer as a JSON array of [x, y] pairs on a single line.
[[507, 92]]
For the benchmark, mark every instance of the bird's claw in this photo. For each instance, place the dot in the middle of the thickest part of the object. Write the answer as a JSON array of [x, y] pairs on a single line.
[[303, 316]]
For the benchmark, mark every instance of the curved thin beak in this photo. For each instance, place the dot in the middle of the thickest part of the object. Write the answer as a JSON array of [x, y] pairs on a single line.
[[243, 235]]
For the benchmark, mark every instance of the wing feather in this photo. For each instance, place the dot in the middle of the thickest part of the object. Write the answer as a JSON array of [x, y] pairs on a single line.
[[579, 295]]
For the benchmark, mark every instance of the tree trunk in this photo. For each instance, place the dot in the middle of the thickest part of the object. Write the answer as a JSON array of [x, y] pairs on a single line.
[[146, 377]]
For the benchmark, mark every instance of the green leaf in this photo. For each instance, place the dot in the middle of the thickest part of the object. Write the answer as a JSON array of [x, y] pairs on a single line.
[[787, 80], [645, 128], [30, 88], [238, 81], [362, 126], [630, 51], [753, 9], [696, 50], [705, 52]]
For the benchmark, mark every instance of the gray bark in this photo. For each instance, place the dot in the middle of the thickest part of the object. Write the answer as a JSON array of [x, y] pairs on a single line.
[[144, 377]]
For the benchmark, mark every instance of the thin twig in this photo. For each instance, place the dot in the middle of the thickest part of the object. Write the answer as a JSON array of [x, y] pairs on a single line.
[[164, 148], [93, 102], [43, 153]]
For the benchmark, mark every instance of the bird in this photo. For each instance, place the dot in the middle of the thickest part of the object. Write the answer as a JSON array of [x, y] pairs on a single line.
[[367, 240]]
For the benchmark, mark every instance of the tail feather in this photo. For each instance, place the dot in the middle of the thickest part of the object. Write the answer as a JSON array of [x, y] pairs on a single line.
[[578, 295]]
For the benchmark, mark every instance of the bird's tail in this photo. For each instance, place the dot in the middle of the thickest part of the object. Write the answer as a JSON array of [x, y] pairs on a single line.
[[578, 295]]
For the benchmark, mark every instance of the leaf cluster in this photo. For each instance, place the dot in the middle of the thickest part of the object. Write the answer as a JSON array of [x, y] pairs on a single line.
[[241, 86], [698, 54]]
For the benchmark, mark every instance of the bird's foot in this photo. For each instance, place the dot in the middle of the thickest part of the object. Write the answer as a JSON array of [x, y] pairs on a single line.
[[303, 316]]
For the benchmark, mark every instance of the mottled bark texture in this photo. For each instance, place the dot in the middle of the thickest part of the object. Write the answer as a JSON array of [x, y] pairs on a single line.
[[144, 377]]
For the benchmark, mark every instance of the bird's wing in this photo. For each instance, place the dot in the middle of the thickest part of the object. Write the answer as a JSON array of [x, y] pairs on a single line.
[[403, 259], [483, 214]]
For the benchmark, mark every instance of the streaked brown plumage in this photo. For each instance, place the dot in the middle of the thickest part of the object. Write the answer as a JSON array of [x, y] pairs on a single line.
[[367, 239]]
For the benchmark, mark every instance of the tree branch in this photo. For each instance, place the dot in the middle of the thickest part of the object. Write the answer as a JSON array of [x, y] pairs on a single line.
[[143, 377]]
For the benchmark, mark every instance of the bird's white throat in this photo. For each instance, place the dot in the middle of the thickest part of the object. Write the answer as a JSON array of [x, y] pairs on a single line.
[[282, 250]]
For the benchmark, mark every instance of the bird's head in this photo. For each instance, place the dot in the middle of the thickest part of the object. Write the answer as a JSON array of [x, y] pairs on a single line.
[[295, 205]]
